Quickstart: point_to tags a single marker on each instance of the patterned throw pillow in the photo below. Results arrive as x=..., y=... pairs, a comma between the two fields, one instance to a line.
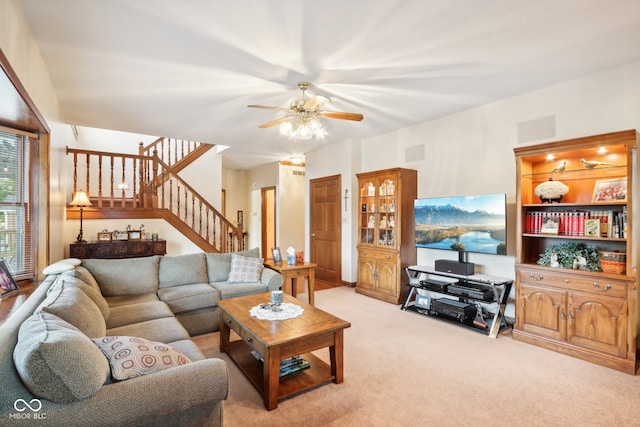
x=131, y=357
x=245, y=269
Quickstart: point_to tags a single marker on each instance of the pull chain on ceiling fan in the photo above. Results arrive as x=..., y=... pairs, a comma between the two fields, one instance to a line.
x=301, y=121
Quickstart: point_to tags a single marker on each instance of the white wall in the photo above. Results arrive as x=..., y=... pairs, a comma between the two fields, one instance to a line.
x=290, y=208
x=472, y=152
x=344, y=159
x=19, y=46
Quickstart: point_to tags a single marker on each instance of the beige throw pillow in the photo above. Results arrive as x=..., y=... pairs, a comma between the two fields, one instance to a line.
x=245, y=269
x=130, y=357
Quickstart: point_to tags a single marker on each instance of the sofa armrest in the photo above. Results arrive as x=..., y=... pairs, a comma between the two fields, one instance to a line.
x=272, y=279
x=149, y=398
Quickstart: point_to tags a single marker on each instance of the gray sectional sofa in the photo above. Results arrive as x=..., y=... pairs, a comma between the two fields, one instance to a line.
x=108, y=342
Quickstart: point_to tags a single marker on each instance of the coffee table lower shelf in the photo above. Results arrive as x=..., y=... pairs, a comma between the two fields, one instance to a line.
x=316, y=374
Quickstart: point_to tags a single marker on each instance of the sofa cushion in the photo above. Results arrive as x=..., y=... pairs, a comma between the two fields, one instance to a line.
x=189, y=349
x=189, y=297
x=58, y=362
x=219, y=264
x=91, y=292
x=61, y=266
x=75, y=307
x=83, y=274
x=131, y=299
x=128, y=276
x=165, y=329
x=135, y=313
x=182, y=270
x=232, y=290
x=245, y=269
x=131, y=357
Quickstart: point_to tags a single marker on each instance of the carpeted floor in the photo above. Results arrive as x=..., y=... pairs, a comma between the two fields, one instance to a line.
x=405, y=369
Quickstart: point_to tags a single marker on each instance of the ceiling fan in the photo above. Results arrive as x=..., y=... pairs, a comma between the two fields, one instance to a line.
x=301, y=121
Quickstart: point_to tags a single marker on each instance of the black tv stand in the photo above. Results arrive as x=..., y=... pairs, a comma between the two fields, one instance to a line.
x=492, y=306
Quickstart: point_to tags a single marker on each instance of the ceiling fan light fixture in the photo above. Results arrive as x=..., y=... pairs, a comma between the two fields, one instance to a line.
x=303, y=128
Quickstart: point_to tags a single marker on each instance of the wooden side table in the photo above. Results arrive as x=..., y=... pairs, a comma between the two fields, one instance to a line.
x=292, y=273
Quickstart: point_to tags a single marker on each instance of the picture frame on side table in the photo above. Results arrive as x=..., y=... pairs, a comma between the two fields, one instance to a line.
x=7, y=284
x=610, y=190
x=275, y=253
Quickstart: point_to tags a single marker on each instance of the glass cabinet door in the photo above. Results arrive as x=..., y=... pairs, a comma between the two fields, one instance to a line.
x=367, y=212
x=386, y=214
x=378, y=211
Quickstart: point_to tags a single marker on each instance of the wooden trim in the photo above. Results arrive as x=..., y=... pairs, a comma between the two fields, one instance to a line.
x=19, y=132
x=23, y=123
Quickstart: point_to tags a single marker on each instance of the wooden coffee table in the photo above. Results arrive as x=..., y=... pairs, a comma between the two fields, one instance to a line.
x=279, y=339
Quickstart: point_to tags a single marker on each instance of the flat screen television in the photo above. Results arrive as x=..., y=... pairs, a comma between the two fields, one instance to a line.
x=462, y=223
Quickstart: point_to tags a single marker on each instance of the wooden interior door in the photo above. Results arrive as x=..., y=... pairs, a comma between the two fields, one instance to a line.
x=268, y=210
x=325, y=227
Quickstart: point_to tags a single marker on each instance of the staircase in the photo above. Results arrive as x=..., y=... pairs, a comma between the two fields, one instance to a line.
x=156, y=191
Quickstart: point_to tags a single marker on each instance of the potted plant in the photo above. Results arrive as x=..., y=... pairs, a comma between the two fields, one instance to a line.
x=571, y=255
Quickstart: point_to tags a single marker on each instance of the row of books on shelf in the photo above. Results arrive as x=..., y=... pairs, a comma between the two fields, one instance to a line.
x=592, y=223
x=288, y=365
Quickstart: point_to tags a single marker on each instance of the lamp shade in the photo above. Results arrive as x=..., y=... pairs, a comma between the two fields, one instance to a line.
x=81, y=199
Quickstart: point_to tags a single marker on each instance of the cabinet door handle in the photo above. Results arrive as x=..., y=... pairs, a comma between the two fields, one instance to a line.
x=388, y=256
x=597, y=286
x=562, y=315
x=540, y=277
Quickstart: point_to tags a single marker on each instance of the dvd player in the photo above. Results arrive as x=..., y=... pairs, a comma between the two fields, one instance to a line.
x=434, y=285
x=475, y=292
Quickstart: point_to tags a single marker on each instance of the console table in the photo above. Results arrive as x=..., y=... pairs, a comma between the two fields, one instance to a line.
x=118, y=249
x=494, y=304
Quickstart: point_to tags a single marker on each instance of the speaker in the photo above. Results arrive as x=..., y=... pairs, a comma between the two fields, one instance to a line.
x=455, y=267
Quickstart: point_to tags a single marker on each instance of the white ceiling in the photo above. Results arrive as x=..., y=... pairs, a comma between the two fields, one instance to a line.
x=189, y=68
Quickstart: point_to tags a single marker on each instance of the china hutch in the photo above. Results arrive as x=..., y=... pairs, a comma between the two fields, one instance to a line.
x=576, y=279
x=386, y=243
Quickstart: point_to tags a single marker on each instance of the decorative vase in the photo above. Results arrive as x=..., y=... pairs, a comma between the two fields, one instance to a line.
x=551, y=191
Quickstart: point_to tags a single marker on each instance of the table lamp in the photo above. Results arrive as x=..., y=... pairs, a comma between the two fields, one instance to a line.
x=81, y=199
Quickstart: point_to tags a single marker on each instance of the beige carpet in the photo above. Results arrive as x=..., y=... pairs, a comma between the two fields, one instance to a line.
x=404, y=369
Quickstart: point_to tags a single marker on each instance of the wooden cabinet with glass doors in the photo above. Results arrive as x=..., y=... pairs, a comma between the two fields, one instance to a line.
x=386, y=232
x=586, y=310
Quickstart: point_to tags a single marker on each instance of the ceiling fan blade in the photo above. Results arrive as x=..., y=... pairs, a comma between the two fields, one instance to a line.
x=316, y=102
x=341, y=115
x=270, y=108
x=275, y=122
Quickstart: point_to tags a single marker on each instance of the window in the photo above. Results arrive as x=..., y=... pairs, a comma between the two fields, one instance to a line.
x=15, y=217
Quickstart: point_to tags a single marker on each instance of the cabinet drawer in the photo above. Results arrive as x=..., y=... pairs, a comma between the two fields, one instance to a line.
x=378, y=255
x=247, y=336
x=594, y=285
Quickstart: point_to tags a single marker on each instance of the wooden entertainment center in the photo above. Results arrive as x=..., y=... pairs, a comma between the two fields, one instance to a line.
x=579, y=310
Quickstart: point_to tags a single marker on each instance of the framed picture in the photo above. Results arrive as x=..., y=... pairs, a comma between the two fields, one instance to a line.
x=610, y=190
x=134, y=235
x=275, y=253
x=240, y=218
x=423, y=301
x=104, y=236
x=550, y=225
x=592, y=227
x=120, y=235
x=7, y=284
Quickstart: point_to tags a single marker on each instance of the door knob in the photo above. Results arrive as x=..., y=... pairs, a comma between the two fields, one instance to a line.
x=313, y=234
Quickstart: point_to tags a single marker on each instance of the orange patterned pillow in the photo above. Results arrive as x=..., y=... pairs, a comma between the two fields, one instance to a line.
x=131, y=357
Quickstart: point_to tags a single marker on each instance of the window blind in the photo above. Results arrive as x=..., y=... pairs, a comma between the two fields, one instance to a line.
x=16, y=245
